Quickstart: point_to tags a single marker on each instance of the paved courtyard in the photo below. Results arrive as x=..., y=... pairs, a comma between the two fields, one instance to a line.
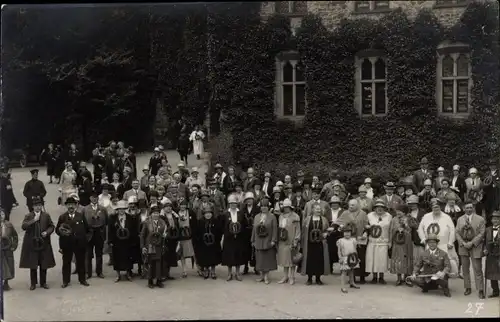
x=195, y=298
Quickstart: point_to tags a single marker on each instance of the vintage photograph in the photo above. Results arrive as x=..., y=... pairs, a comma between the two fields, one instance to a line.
x=250, y=160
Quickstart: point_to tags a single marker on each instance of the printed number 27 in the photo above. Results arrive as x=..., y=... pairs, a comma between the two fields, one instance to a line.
x=474, y=308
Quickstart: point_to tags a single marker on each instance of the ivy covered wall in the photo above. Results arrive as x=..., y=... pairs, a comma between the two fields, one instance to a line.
x=333, y=134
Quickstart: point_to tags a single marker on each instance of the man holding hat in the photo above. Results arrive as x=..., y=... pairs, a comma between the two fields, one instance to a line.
x=422, y=174
x=470, y=235
x=73, y=242
x=435, y=262
x=97, y=217
x=7, y=198
x=37, y=224
x=492, y=252
x=316, y=191
x=491, y=191
x=392, y=201
x=34, y=188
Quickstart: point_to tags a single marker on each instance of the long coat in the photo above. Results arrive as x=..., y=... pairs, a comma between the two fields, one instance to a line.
x=250, y=216
x=419, y=177
x=304, y=245
x=324, y=205
x=235, y=246
x=492, y=271
x=402, y=252
x=154, y=252
x=29, y=257
x=7, y=198
x=122, y=258
x=8, y=266
x=289, y=241
x=211, y=254
x=33, y=188
x=478, y=226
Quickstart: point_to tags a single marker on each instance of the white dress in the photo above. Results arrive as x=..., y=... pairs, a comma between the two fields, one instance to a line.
x=186, y=245
x=67, y=186
x=377, y=251
x=446, y=229
x=197, y=138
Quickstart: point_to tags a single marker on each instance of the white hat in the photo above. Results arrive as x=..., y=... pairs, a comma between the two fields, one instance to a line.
x=74, y=195
x=194, y=169
x=427, y=182
x=180, y=164
x=456, y=167
x=145, y=167
x=122, y=204
x=132, y=199
x=472, y=170
x=287, y=203
x=249, y=195
x=165, y=201
x=368, y=180
x=232, y=199
x=279, y=183
x=157, y=149
x=440, y=169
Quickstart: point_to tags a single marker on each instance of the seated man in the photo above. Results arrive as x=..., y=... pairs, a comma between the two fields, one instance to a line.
x=433, y=266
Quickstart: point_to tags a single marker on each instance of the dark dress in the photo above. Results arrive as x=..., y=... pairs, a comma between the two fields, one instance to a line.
x=170, y=257
x=135, y=245
x=208, y=255
x=234, y=248
x=183, y=146
x=51, y=159
x=122, y=259
x=315, y=259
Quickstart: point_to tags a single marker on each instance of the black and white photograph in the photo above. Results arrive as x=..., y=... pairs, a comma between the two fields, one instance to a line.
x=250, y=160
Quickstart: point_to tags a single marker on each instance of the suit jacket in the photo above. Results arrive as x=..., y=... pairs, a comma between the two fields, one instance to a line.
x=299, y=205
x=80, y=228
x=228, y=184
x=324, y=205
x=130, y=193
x=478, y=185
x=478, y=226
x=431, y=264
x=395, y=203
x=148, y=228
x=248, y=184
x=97, y=220
x=111, y=167
x=459, y=185
x=419, y=177
x=270, y=186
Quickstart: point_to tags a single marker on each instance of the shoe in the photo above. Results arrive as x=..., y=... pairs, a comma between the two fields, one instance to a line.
x=354, y=286
x=64, y=285
x=100, y=275
x=494, y=294
x=160, y=284
x=266, y=281
x=447, y=293
x=229, y=277
x=151, y=285
x=238, y=277
x=245, y=270
x=170, y=278
x=84, y=283
x=424, y=290
x=382, y=281
x=6, y=286
x=32, y=287
x=374, y=281
x=184, y=275
x=467, y=291
x=344, y=290
x=319, y=282
x=481, y=295
x=260, y=279
x=362, y=281
x=399, y=282
x=213, y=276
x=89, y=276
x=283, y=280
x=309, y=282
x=117, y=279
x=44, y=286
x=255, y=272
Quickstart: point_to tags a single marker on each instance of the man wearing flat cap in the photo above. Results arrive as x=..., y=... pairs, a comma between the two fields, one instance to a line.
x=422, y=174
x=434, y=266
x=491, y=191
x=34, y=188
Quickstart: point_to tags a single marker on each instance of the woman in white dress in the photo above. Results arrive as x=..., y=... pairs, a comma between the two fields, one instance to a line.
x=379, y=241
x=197, y=137
x=68, y=182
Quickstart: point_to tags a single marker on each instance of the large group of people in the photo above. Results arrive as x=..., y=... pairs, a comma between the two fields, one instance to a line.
x=424, y=231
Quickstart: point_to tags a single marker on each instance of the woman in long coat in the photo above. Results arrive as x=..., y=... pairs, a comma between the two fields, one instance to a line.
x=264, y=239
x=401, y=262
x=171, y=219
x=235, y=242
x=186, y=222
x=316, y=260
x=377, y=251
x=30, y=258
x=207, y=235
x=120, y=248
x=9, y=246
x=288, y=241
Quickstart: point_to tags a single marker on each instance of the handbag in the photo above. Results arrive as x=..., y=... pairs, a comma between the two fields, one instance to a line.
x=297, y=257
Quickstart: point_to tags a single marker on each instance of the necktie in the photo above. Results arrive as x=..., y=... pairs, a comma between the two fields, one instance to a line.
x=473, y=182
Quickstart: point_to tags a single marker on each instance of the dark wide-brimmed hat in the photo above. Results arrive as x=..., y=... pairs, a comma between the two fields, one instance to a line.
x=33, y=171
x=70, y=201
x=433, y=237
x=37, y=200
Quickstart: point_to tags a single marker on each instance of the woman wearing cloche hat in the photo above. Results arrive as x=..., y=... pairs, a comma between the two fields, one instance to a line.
x=288, y=240
x=249, y=210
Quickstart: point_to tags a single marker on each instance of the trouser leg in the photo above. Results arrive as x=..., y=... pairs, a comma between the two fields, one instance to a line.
x=466, y=271
x=33, y=276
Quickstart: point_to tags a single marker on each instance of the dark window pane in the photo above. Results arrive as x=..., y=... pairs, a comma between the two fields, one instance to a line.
x=380, y=98
x=366, y=98
x=362, y=6
x=381, y=4
x=447, y=69
x=299, y=6
x=447, y=102
x=282, y=6
x=300, y=99
x=288, y=72
x=366, y=69
x=380, y=69
x=462, y=65
x=288, y=99
x=463, y=96
x=299, y=72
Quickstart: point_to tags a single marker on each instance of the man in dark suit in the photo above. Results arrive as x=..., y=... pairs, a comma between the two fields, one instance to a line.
x=113, y=164
x=97, y=217
x=491, y=190
x=422, y=174
x=217, y=198
x=73, y=241
x=7, y=198
x=99, y=163
x=34, y=188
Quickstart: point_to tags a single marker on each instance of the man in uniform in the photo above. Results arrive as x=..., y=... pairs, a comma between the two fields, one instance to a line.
x=37, y=226
x=7, y=198
x=97, y=218
x=34, y=188
x=73, y=244
x=470, y=236
x=433, y=261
